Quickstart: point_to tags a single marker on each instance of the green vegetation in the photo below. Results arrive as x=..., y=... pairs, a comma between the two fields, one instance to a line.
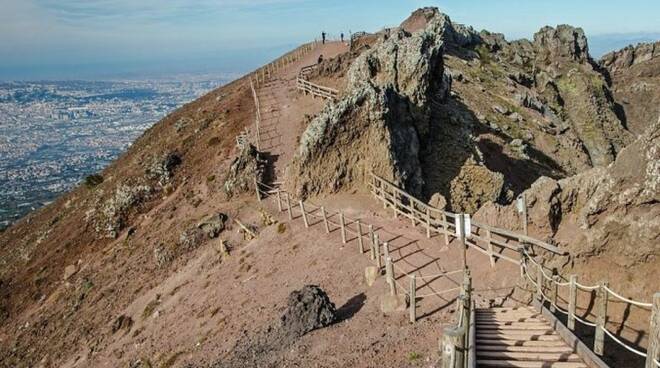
x=281, y=228
x=210, y=178
x=93, y=180
x=414, y=356
x=484, y=54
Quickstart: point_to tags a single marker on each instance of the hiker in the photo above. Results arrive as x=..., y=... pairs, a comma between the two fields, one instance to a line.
x=323, y=37
x=342, y=37
x=320, y=59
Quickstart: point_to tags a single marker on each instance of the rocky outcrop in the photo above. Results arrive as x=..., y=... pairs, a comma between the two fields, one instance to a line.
x=110, y=217
x=378, y=123
x=609, y=211
x=635, y=82
x=563, y=42
x=387, y=116
x=243, y=171
x=620, y=61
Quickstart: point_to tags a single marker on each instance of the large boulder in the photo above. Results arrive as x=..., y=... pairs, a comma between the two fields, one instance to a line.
x=307, y=309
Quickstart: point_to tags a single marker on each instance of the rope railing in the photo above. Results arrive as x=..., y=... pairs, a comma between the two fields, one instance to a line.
x=603, y=293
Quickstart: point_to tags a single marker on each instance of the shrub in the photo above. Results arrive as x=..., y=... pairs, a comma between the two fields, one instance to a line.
x=93, y=180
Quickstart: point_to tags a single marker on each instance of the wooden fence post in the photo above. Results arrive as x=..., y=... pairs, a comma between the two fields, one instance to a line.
x=539, y=284
x=379, y=263
x=279, y=200
x=428, y=223
x=343, y=227
x=412, y=213
x=490, y=248
x=386, y=250
x=445, y=226
x=395, y=202
x=304, y=215
x=448, y=348
x=325, y=220
x=288, y=206
x=373, y=241
x=359, y=231
x=555, y=292
x=653, y=350
x=256, y=188
x=413, y=305
x=601, y=319
x=572, y=300
x=389, y=272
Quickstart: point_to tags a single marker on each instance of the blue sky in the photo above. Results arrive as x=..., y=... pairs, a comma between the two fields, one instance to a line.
x=101, y=38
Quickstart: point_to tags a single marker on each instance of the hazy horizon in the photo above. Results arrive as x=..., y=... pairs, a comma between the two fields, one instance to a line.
x=111, y=39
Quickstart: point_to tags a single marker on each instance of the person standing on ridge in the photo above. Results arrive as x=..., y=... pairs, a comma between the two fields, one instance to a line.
x=323, y=37
x=342, y=37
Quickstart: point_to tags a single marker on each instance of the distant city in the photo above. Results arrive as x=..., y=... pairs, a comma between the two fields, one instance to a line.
x=53, y=134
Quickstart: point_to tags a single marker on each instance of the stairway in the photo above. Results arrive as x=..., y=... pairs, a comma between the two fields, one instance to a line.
x=520, y=337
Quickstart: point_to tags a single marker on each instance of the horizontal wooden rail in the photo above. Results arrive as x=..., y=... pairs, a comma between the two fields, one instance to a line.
x=314, y=89
x=408, y=205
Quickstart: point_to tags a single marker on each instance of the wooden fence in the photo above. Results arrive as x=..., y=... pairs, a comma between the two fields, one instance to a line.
x=257, y=116
x=545, y=284
x=257, y=79
x=492, y=241
x=304, y=85
x=458, y=344
x=366, y=239
x=266, y=72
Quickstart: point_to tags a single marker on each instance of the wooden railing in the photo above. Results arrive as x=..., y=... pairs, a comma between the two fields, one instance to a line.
x=487, y=238
x=549, y=284
x=257, y=116
x=494, y=242
x=368, y=242
x=312, y=88
x=458, y=344
x=266, y=72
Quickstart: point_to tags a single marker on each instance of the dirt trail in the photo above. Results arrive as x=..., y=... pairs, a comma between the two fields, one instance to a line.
x=284, y=108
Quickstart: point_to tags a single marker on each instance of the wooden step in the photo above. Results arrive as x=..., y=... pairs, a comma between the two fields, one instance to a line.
x=523, y=364
x=512, y=326
x=518, y=337
x=529, y=356
x=508, y=320
x=499, y=342
x=541, y=348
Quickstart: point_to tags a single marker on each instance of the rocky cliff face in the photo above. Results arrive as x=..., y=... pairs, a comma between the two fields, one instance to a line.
x=377, y=124
x=446, y=110
x=388, y=121
x=608, y=213
x=635, y=78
